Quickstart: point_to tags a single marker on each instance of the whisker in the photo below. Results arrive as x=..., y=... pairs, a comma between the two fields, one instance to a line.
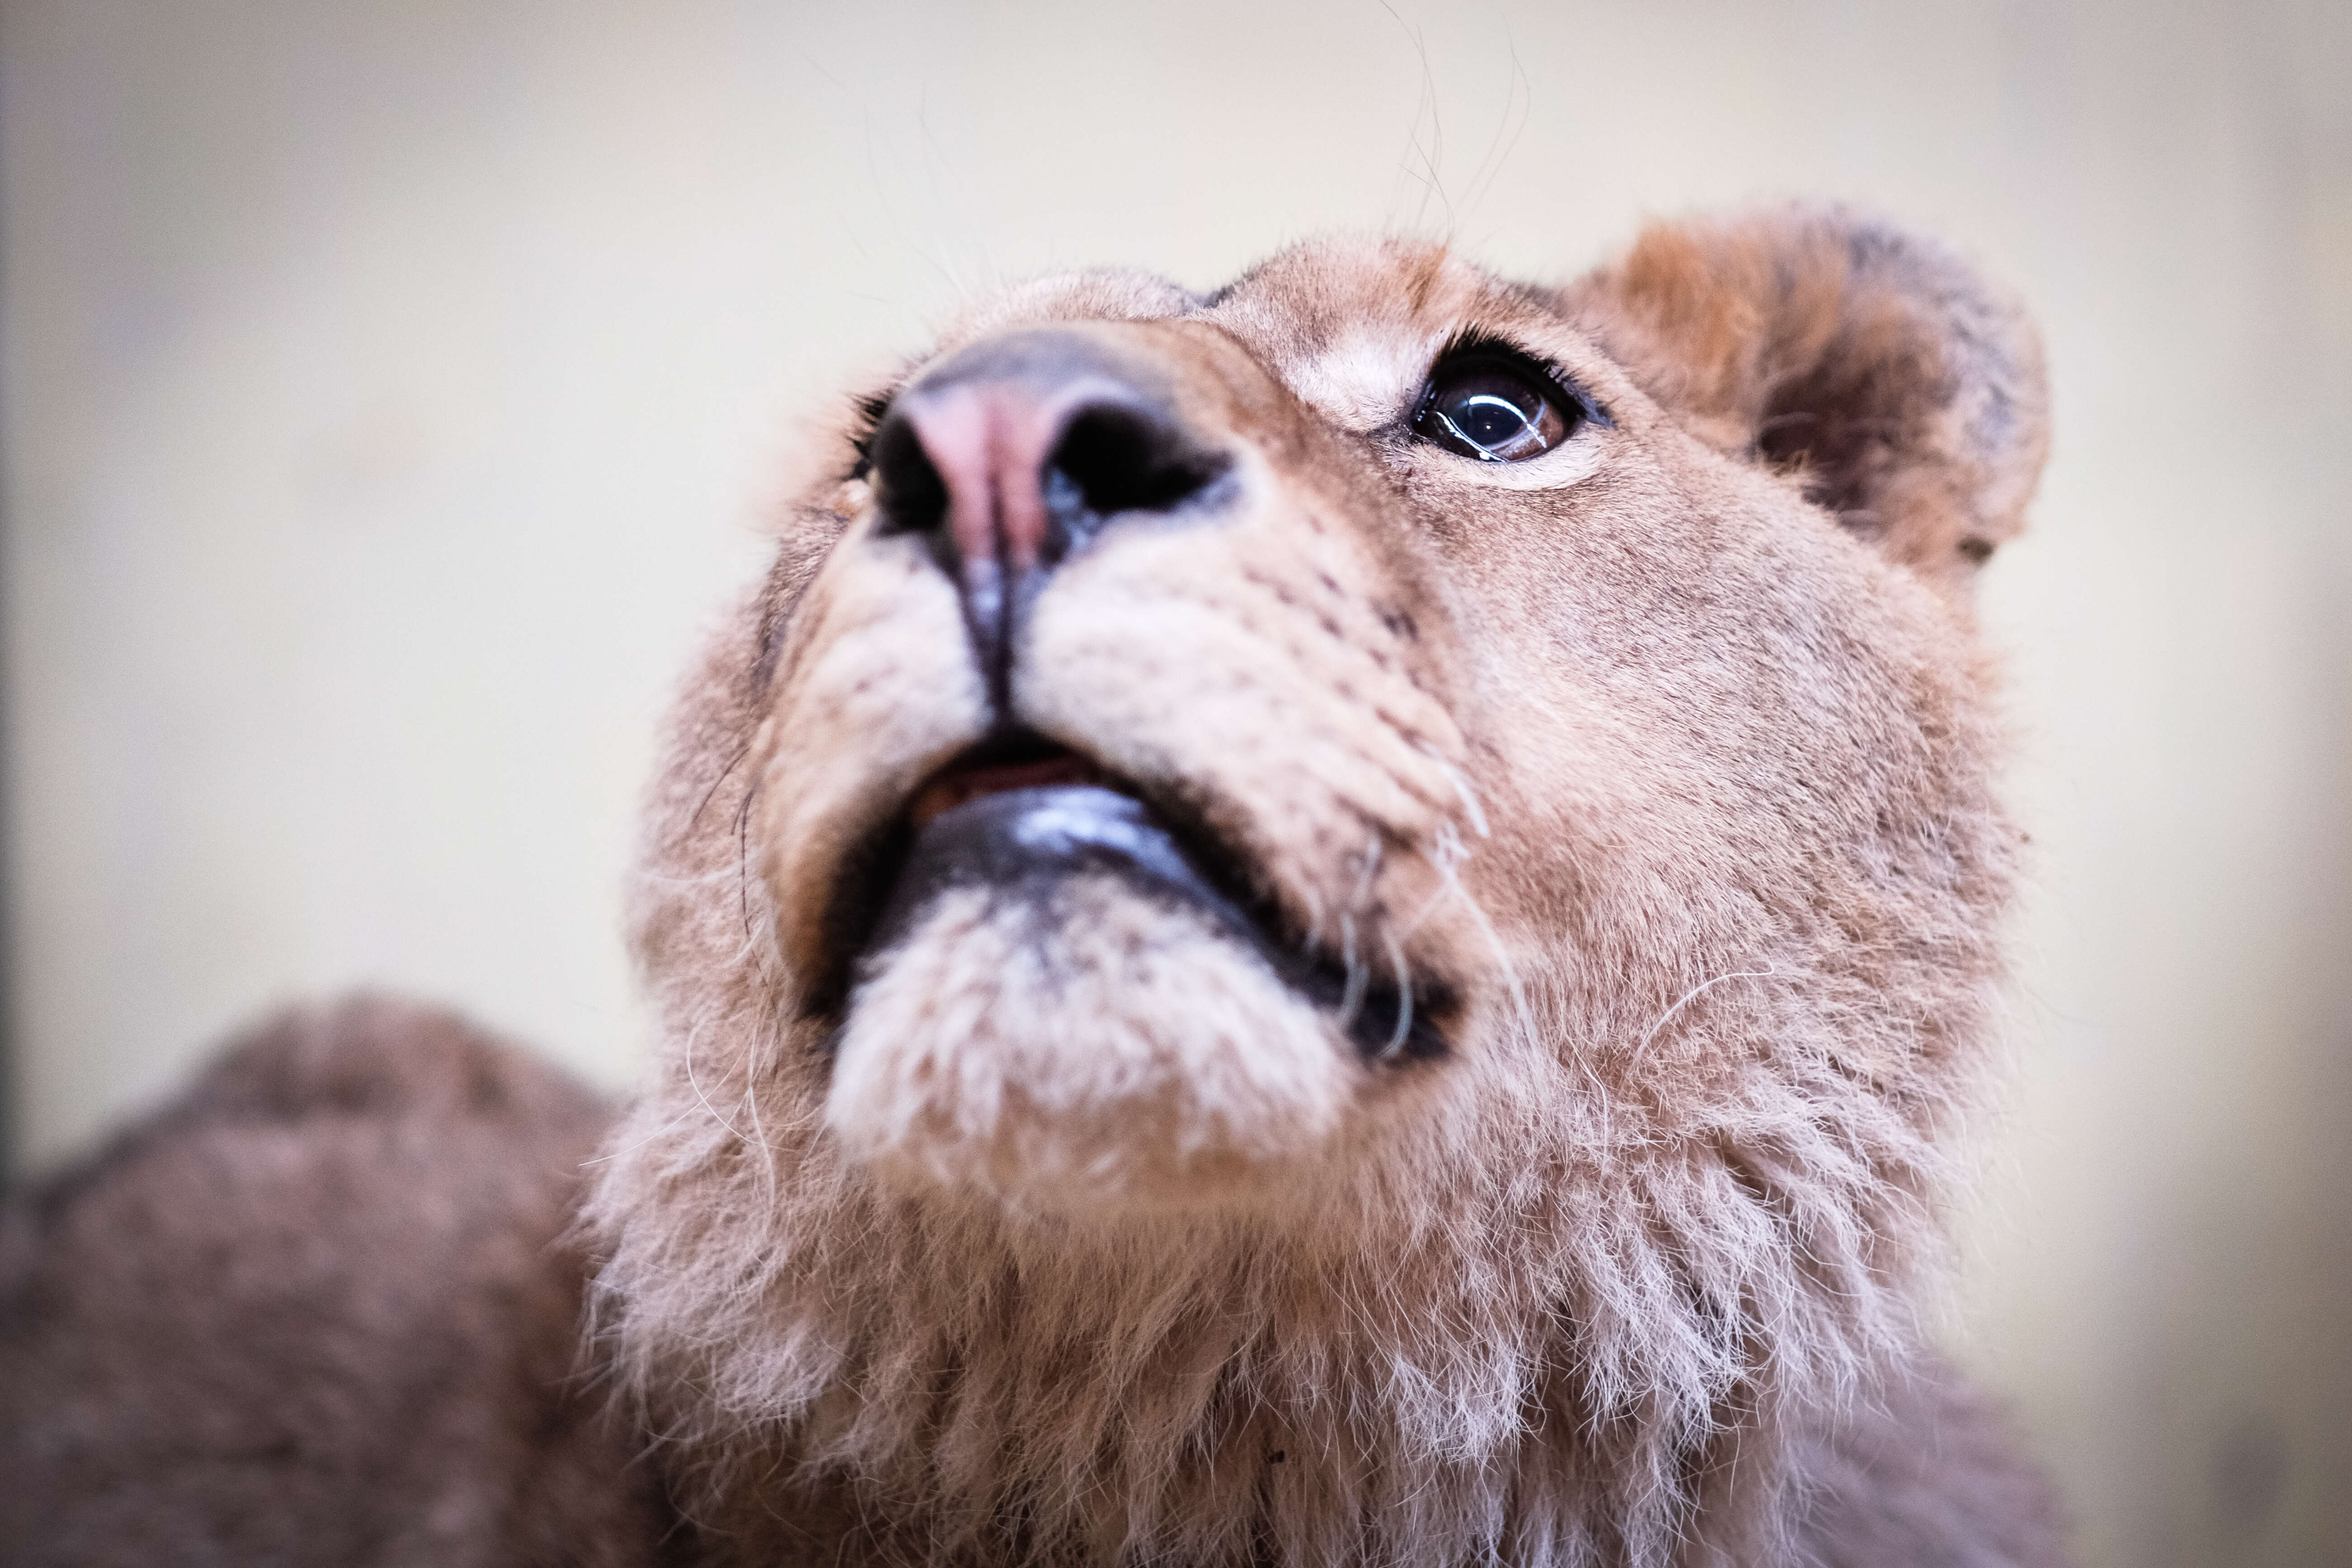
x=708, y=795
x=1461, y=784
x=1359, y=976
x=1688, y=996
x=743, y=854
x=1404, y=1000
x=692, y=1037
x=600, y=1159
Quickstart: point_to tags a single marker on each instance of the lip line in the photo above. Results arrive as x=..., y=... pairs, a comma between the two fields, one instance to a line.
x=964, y=780
x=1385, y=1021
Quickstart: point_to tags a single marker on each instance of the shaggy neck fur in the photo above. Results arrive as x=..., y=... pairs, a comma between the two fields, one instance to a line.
x=1580, y=1330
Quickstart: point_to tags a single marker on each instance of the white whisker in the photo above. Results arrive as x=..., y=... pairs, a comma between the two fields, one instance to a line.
x=693, y=1035
x=1353, y=997
x=633, y=1148
x=1404, y=1000
x=1461, y=784
x=1690, y=995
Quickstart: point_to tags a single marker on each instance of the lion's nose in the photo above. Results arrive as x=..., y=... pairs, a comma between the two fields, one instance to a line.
x=1015, y=452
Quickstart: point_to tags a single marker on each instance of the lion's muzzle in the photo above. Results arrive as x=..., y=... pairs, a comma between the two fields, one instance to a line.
x=1107, y=806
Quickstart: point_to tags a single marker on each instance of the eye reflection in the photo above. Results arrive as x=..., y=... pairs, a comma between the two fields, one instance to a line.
x=1494, y=408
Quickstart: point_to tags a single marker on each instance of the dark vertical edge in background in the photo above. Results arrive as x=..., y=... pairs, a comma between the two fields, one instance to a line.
x=7, y=726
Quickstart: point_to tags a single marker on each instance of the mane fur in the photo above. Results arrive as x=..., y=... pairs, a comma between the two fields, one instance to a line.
x=1564, y=1327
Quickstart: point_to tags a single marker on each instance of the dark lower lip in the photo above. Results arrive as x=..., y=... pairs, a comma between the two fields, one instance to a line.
x=1025, y=841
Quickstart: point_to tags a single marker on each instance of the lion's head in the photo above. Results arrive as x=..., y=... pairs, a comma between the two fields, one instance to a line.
x=1338, y=920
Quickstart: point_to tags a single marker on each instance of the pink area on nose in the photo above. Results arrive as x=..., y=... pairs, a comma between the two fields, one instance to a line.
x=988, y=442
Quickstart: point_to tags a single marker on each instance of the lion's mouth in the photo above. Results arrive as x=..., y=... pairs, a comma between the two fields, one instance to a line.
x=1022, y=815
x=1016, y=763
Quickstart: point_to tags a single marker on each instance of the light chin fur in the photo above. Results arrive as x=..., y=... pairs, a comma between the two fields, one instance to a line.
x=1082, y=1051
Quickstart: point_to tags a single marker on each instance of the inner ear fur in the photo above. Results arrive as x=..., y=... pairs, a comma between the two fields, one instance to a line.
x=1904, y=391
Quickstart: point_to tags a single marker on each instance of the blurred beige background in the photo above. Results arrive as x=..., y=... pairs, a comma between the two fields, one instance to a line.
x=390, y=387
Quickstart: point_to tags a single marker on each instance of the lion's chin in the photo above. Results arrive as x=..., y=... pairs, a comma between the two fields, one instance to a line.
x=1082, y=1050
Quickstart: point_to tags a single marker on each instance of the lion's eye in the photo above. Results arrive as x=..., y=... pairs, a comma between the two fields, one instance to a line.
x=1495, y=407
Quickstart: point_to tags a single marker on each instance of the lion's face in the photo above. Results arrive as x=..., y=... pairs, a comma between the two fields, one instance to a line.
x=1228, y=741
x=1417, y=847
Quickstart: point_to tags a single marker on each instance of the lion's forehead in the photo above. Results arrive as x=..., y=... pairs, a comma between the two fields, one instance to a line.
x=1349, y=325
x=1094, y=294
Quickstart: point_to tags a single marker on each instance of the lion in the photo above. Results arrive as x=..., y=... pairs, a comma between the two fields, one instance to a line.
x=1351, y=921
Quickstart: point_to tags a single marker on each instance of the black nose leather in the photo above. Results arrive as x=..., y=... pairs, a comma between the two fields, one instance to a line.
x=1015, y=452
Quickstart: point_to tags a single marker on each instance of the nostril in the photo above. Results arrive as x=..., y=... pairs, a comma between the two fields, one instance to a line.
x=909, y=493
x=1114, y=457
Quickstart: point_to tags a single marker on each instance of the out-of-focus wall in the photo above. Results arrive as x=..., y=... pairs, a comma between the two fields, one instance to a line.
x=391, y=385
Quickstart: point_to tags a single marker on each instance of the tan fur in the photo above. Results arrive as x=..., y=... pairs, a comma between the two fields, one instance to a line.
x=1075, y=1234
x=1682, y=780
x=318, y=1313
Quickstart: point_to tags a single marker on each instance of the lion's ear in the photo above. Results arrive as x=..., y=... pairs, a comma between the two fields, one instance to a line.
x=1906, y=391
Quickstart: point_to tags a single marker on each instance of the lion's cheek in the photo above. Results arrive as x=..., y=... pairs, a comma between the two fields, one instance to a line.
x=881, y=689
x=1087, y=1052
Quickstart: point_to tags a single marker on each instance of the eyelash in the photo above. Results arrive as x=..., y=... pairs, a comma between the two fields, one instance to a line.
x=1475, y=341
x=871, y=410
